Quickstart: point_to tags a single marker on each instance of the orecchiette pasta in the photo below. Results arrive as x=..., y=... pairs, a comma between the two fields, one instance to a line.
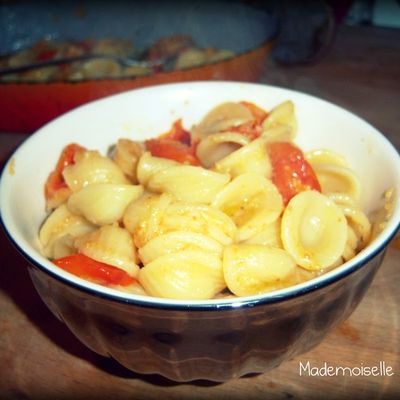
x=252, y=201
x=249, y=158
x=359, y=222
x=231, y=207
x=175, y=241
x=278, y=133
x=111, y=245
x=222, y=117
x=252, y=269
x=189, y=183
x=200, y=218
x=351, y=244
x=149, y=165
x=282, y=114
x=188, y=274
x=338, y=179
x=63, y=247
x=314, y=230
x=91, y=167
x=324, y=156
x=381, y=215
x=126, y=155
x=151, y=223
x=138, y=210
x=59, y=225
x=216, y=146
x=103, y=203
x=269, y=235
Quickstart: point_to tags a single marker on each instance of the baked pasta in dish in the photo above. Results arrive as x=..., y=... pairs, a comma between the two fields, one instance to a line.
x=169, y=53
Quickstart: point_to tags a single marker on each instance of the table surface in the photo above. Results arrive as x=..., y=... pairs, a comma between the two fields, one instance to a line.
x=40, y=358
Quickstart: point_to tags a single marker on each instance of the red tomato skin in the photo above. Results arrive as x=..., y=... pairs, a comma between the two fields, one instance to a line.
x=176, y=144
x=291, y=172
x=258, y=113
x=55, y=180
x=178, y=133
x=94, y=271
x=250, y=129
x=172, y=150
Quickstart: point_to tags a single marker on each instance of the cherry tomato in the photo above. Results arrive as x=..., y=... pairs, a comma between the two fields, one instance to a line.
x=173, y=150
x=258, y=113
x=251, y=129
x=177, y=132
x=94, y=271
x=55, y=180
x=176, y=144
x=291, y=172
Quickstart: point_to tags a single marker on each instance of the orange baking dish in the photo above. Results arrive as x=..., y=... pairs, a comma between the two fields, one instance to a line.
x=240, y=26
x=24, y=107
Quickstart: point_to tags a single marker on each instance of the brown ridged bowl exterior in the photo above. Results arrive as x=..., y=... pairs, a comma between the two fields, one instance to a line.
x=217, y=344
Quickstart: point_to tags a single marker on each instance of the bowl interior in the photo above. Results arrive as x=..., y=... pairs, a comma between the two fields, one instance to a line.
x=145, y=113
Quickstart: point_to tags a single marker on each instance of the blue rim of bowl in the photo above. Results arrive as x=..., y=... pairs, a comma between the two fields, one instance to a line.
x=226, y=306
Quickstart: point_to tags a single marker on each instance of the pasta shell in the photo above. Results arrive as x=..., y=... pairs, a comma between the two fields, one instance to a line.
x=313, y=230
x=111, y=245
x=189, y=183
x=185, y=275
x=252, y=201
x=91, y=167
x=154, y=221
x=138, y=210
x=383, y=213
x=59, y=197
x=126, y=155
x=219, y=55
x=282, y=114
x=151, y=223
x=103, y=203
x=200, y=218
x=190, y=58
x=252, y=157
x=64, y=246
x=251, y=269
x=149, y=165
x=302, y=275
x=325, y=156
x=351, y=244
x=342, y=199
x=335, y=178
x=278, y=133
x=222, y=117
x=359, y=222
x=269, y=235
x=176, y=241
x=218, y=145
x=59, y=224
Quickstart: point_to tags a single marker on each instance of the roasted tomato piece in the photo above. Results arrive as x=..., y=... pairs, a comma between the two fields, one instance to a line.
x=173, y=150
x=55, y=181
x=291, y=172
x=94, y=271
